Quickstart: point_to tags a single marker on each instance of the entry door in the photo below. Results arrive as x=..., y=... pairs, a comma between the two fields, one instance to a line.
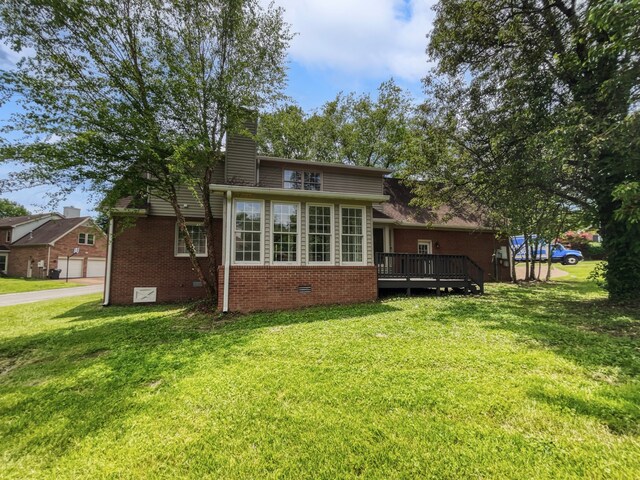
x=424, y=248
x=4, y=260
x=29, y=267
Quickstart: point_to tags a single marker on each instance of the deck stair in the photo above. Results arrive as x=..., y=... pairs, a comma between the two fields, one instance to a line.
x=421, y=271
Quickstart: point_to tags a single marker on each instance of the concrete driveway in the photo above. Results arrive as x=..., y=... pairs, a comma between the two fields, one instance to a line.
x=8, y=299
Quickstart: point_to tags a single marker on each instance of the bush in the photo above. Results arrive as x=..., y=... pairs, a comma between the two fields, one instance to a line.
x=593, y=251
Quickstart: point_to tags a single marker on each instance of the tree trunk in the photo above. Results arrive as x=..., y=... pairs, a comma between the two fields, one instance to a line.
x=209, y=228
x=182, y=225
x=548, y=277
x=525, y=240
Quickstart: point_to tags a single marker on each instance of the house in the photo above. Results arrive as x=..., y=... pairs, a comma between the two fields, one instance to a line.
x=293, y=233
x=31, y=246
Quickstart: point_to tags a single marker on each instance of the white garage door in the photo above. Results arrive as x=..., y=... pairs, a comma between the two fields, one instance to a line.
x=96, y=267
x=75, y=267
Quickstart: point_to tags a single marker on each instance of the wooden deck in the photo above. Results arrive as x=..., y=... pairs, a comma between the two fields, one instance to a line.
x=411, y=271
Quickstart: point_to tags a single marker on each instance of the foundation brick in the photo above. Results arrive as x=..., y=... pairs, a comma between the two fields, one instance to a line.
x=264, y=288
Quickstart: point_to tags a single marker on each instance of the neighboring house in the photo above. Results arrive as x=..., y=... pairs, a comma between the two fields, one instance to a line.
x=294, y=233
x=32, y=246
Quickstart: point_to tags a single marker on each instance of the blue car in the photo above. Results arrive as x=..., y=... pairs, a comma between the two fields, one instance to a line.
x=559, y=253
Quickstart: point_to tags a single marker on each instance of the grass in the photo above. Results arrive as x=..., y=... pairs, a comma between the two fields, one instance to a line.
x=525, y=382
x=19, y=285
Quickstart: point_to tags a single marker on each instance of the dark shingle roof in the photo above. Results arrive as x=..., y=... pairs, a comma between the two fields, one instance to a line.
x=49, y=232
x=399, y=210
x=13, y=221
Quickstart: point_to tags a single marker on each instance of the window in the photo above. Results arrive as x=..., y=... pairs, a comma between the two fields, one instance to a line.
x=3, y=262
x=285, y=232
x=424, y=247
x=86, y=238
x=8, y=236
x=198, y=238
x=352, y=220
x=319, y=230
x=248, y=232
x=298, y=180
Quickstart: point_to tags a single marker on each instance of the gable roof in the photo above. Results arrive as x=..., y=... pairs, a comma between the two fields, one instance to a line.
x=50, y=231
x=15, y=221
x=398, y=210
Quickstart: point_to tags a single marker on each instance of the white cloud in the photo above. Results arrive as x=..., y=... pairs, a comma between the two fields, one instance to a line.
x=370, y=37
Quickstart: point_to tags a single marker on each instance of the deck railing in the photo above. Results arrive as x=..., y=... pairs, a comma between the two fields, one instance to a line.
x=421, y=266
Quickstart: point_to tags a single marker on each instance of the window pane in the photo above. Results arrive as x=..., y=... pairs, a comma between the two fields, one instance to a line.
x=352, y=234
x=285, y=232
x=311, y=181
x=319, y=233
x=298, y=180
x=292, y=179
x=198, y=237
x=248, y=234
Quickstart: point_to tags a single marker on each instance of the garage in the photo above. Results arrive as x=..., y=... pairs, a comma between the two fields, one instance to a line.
x=75, y=267
x=96, y=267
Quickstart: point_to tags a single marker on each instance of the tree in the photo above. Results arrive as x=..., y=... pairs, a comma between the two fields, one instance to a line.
x=138, y=95
x=351, y=129
x=286, y=133
x=551, y=87
x=11, y=209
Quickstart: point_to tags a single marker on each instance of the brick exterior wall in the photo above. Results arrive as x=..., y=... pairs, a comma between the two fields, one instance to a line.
x=478, y=246
x=255, y=288
x=19, y=256
x=143, y=256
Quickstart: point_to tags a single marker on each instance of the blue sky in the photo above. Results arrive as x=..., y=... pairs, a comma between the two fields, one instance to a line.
x=340, y=45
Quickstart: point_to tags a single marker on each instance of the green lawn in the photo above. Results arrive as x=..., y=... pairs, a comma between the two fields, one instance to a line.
x=524, y=382
x=18, y=285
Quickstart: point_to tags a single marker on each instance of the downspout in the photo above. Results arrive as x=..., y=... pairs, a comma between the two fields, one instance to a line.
x=227, y=254
x=107, y=280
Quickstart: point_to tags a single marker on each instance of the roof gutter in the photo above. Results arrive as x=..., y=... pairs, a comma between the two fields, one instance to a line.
x=430, y=226
x=283, y=192
x=107, y=280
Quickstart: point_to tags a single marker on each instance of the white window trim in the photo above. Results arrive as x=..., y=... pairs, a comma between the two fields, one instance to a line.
x=425, y=242
x=332, y=253
x=299, y=233
x=6, y=261
x=302, y=171
x=233, y=232
x=86, y=238
x=364, y=235
x=175, y=243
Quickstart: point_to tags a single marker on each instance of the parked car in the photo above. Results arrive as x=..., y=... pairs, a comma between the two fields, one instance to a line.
x=559, y=253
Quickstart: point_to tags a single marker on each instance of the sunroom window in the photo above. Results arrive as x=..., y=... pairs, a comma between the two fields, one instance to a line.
x=319, y=226
x=352, y=220
x=285, y=232
x=248, y=231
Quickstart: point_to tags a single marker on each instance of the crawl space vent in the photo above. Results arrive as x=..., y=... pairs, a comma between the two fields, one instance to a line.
x=304, y=289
